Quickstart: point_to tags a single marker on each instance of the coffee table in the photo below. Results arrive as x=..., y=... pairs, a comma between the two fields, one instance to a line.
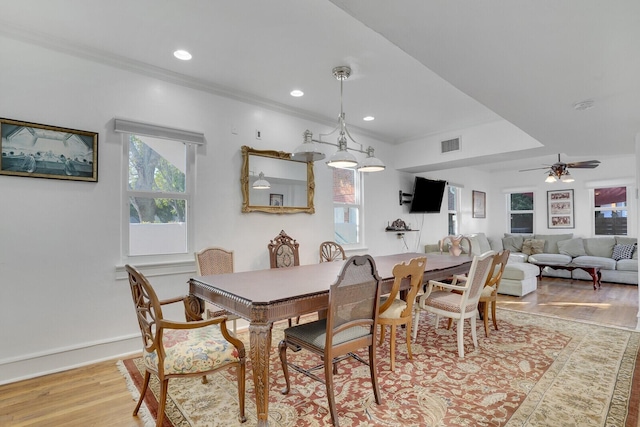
x=594, y=271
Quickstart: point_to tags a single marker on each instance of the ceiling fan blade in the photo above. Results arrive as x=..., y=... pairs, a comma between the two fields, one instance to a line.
x=588, y=164
x=534, y=169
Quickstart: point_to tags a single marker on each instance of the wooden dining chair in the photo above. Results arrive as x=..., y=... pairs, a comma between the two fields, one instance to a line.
x=441, y=301
x=350, y=325
x=181, y=349
x=331, y=251
x=395, y=311
x=283, y=252
x=214, y=260
x=489, y=295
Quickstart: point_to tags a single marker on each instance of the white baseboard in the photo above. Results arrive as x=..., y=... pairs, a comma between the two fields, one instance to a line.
x=35, y=365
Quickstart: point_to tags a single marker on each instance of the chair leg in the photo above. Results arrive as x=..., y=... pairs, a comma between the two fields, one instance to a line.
x=373, y=370
x=450, y=323
x=285, y=369
x=408, y=327
x=241, y=371
x=493, y=314
x=162, y=401
x=328, y=375
x=485, y=317
x=392, y=347
x=145, y=385
x=461, y=338
x=472, y=319
x=382, y=332
x=416, y=321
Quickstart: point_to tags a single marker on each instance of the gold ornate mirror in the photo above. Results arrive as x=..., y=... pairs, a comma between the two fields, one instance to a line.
x=290, y=183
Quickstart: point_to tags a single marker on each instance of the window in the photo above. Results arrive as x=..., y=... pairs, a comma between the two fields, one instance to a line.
x=453, y=197
x=521, y=212
x=346, y=206
x=158, y=188
x=610, y=211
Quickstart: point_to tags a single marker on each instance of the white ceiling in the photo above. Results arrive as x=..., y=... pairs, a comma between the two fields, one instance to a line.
x=420, y=67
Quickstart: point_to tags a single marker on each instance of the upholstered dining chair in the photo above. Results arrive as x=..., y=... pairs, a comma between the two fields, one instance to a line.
x=350, y=325
x=441, y=301
x=489, y=295
x=213, y=260
x=331, y=251
x=181, y=349
x=283, y=252
x=396, y=311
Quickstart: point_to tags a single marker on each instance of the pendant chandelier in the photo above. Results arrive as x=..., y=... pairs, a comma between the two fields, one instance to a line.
x=309, y=150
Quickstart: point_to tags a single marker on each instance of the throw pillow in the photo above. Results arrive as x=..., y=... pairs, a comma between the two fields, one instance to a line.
x=623, y=252
x=533, y=246
x=572, y=247
x=512, y=243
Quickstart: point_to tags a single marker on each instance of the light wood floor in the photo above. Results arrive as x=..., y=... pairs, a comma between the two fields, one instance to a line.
x=96, y=395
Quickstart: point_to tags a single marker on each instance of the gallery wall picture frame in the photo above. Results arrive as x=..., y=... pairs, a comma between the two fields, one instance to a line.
x=44, y=151
x=276, y=200
x=479, y=200
x=560, y=209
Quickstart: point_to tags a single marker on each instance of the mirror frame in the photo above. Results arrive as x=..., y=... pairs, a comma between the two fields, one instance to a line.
x=244, y=183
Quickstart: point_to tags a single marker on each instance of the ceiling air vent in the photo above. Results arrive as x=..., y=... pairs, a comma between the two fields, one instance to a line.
x=450, y=145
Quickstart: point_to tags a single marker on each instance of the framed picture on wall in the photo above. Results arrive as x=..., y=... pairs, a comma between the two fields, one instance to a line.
x=560, y=209
x=276, y=199
x=43, y=151
x=479, y=200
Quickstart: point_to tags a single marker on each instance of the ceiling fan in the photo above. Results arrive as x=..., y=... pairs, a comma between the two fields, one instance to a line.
x=560, y=170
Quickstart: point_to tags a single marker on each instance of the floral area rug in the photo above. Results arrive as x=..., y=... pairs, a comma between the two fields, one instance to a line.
x=535, y=371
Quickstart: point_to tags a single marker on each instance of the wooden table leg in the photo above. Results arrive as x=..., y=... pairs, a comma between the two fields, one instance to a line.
x=260, y=350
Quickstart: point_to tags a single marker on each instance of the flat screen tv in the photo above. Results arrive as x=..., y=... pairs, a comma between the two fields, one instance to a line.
x=427, y=195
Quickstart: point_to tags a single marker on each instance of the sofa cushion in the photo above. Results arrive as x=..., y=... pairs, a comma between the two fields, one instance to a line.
x=621, y=251
x=479, y=243
x=520, y=271
x=599, y=246
x=627, y=265
x=571, y=247
x=533, y=246
x=550, y=259
x=596, y=261
x=513, y=243
x=551, y=241
x=623, y=240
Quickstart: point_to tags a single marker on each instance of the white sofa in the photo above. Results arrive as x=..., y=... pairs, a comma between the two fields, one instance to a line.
x=520, y=275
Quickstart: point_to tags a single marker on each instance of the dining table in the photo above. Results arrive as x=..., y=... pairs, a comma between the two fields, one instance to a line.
x=266, y=296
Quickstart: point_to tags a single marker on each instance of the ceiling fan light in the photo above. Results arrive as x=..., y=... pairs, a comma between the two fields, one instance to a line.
x=550, y=178
x=567, y=177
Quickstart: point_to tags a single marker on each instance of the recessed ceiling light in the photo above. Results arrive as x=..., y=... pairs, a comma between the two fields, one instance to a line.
x=182, y=54
x=297, y=93
x=368, y=118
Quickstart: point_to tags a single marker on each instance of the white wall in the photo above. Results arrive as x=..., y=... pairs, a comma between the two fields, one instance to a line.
x=61, y=303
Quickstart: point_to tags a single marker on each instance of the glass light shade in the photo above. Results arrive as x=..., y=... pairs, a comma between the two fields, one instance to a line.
x=550, y=178
x=261, y=183
x=567, y=177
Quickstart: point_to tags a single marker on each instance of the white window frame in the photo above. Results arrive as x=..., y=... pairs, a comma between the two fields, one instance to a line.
x=456, y=211
x=595, y=209
x=518, y=212
x=191, y=140
x=359, y=204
